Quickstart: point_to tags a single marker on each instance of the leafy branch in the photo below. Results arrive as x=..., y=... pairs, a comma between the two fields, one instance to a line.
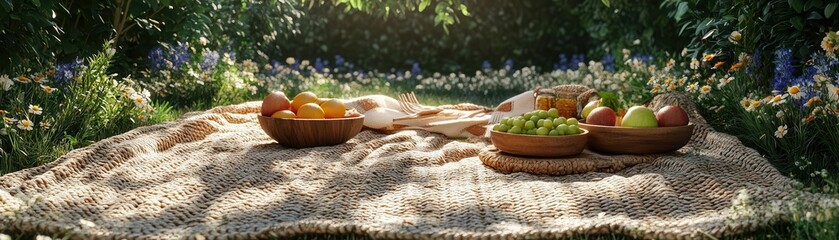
x=447, y=11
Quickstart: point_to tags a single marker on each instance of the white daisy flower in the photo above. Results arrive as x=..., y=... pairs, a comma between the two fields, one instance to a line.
x=35, y=109
x=47, y=89
x=778, y=99
x=781, y=132
x=705, y=89
x=795, y=92
x=724, y=81
x=691, y=87
x=745, y=102
x=25, y=124
x=753, y=105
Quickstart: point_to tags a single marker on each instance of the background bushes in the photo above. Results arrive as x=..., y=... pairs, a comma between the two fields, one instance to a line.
x=39, y=32
x=36, y=33
x=528, y=32
x=765, y=25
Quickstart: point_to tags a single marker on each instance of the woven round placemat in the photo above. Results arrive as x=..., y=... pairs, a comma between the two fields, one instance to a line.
x=587, y=161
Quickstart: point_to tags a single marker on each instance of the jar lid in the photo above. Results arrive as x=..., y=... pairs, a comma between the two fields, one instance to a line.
x=545, y=91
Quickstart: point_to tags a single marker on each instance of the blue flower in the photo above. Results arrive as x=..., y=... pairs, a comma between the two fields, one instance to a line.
x=824, y=64
x=415, y=69
x=486, y=65
x=319, y=65
x=806, y=81
x=339, y=61
x=179, y=56
x=756, y=60
x=156, y=59
x=232, y=55
x=608, y=62
x=576, y=59
x=508, y=64
x=784, y=70
x=645, y=58
x=563, y=63
x=210, y=60
x=66, y=72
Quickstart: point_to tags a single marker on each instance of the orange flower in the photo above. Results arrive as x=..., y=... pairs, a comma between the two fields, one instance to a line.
x=708, y=57
x=736, y=67
x=813, y=101
x=718, y=65
x=810, y=118
x=23, y=79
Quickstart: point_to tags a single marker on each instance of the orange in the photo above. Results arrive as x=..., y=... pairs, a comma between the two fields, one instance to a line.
x=310, y=110
x=291, y=107
x=283, y=114
x=334, y=108
x=303, y=98
x=322, y=100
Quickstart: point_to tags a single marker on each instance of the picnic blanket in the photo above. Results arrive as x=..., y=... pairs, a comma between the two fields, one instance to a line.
x=215, y=174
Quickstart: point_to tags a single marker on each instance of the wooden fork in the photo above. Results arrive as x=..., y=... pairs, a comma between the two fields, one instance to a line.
x=409, y=104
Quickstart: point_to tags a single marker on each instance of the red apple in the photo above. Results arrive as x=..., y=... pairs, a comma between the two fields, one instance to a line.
x=671, y=116
x=602, y=116
x=274, y=102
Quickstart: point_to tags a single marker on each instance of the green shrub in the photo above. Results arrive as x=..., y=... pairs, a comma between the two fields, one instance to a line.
x=24, y=28
x=48, y=113
x=38, y=31
x=764, y=26
x=529, y=32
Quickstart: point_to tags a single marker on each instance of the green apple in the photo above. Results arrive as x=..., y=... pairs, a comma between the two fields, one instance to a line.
x=590, y=106
x=639, y=117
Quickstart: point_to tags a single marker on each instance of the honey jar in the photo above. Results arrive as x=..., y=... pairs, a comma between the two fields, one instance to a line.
x=566, y=104
x=545, y=99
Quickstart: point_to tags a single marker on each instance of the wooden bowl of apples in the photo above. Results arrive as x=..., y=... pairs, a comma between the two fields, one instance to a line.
x=640, y=131
x=318, y=122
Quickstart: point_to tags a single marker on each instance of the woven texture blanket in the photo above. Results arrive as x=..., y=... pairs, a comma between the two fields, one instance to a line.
x=217, y=175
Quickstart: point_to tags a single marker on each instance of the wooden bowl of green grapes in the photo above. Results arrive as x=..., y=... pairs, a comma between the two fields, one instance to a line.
x=540, y=133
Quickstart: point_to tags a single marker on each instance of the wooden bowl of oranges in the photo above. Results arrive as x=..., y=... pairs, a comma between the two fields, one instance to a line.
x=308, y=121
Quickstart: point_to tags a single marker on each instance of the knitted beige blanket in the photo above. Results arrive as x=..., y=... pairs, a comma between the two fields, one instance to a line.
x=216, y=174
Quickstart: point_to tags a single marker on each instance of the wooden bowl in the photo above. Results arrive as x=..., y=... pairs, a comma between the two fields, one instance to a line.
x=626, y=140
x=303, y=133
x=539, y=146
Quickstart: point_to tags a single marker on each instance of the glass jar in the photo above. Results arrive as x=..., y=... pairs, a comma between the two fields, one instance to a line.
x=545, y=99
x=566, y=104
